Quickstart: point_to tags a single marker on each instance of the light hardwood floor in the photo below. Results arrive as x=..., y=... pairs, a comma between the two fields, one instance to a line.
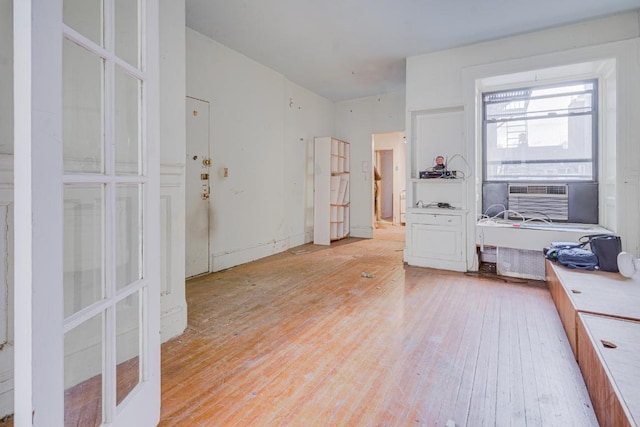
x=303, y=339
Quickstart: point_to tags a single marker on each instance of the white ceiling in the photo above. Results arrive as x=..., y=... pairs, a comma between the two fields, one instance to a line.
x=345, y=49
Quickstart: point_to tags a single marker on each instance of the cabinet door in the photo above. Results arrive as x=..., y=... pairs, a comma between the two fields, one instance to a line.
x=436, y=242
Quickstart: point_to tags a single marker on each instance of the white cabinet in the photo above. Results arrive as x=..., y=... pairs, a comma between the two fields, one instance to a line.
x=436, y=239
x=331, y=190
x=436, y=236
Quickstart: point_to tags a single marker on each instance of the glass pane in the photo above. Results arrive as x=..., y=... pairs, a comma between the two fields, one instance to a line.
x=540, y=107
x=128, y=234
x=556, y=90
x=567, y=104
x=82, y=115
x=557, y=148
x=127, y=31
x=83, y=362
x=543, y=139
x=127, y=124
x=83, y=246
x=84, y=16
x=563, y=171
x=128, y=345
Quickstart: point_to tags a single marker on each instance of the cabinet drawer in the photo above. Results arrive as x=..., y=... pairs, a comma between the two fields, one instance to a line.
x=437, y=219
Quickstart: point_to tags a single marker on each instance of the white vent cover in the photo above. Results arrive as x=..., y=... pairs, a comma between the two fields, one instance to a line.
x=520, y=263
x=548, y=201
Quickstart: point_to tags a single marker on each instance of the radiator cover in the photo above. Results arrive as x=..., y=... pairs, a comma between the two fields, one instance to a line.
x=520, y=263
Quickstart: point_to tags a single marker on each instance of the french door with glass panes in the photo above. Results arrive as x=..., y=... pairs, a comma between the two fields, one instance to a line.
x=109, y=336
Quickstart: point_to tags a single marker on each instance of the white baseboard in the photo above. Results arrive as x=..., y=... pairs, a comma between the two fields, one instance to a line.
x=361, y=232
x=173, y=322
x=437, y=264
x=223, y=260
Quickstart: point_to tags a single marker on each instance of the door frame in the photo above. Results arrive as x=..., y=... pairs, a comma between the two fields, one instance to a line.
x=396, y=141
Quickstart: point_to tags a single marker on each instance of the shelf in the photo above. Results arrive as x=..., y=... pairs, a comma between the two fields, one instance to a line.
x=437, y=211
x=434, y=180
x=331, y=190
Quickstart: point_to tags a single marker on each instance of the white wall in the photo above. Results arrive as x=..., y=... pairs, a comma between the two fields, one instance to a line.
x=356, y=122
x=395, y=141
x=447, y=79
x=435, y=80
x=262, y=129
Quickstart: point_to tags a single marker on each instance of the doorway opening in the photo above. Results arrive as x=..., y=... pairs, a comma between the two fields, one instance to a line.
x=390, y=163
x=388, y=201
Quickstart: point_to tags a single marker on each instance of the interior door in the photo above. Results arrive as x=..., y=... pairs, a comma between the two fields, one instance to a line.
x=197, y=188
x=89, y=306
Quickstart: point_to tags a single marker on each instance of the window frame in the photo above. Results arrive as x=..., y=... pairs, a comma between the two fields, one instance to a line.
x=595, y=117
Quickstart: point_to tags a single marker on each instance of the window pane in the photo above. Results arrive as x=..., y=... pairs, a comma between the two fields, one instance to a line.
x=127, y=124
x=83, y=246
x=569, y=104
x=570, y=88
x=84, y=16
x=540, y=133
x=539, y=107
x=82, y=114
x=128, y=234
x=127, y=31
x=536, y=149
x=128, y=345
x=540, y=171
x=83, y=364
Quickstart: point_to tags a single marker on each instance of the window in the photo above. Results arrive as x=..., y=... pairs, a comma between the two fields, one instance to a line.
x=546, y=133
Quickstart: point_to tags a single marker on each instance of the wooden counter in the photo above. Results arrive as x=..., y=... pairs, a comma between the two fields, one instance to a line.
x=608, y=294
x=597, y=308
x=612, y=375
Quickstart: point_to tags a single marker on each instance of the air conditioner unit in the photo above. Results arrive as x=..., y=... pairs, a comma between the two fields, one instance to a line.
x=579, y=199
x=548, y=201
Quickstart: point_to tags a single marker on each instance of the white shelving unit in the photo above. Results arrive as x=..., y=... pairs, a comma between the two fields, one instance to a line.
x=436, y=237
x=331, y=190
